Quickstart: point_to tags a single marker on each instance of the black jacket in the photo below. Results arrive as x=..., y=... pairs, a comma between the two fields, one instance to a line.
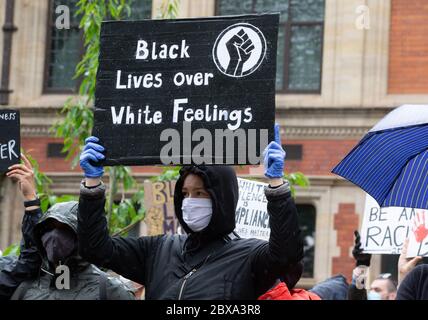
x=415, y=285
x=203, y=265
x=17, y=270
x=87, y=282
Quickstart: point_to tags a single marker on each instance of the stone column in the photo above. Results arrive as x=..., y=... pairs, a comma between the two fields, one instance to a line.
x=11, y=210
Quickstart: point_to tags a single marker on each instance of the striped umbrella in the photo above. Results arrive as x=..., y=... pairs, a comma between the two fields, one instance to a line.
x=391, y=161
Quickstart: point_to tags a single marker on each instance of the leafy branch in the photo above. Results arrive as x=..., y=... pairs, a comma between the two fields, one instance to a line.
x=169, y=9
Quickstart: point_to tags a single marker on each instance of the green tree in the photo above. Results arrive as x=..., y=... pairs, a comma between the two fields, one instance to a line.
x=77, y=122
x=77, y=119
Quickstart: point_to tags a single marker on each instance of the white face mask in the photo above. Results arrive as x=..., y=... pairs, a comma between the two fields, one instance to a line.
x=373, y=295
x=197, y=213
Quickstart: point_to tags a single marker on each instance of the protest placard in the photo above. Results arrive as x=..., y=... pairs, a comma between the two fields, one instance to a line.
x=159, y=203
x=418, y=241
x=10, y=141
x=384, y=230
x=186, y=91
x=252, y=219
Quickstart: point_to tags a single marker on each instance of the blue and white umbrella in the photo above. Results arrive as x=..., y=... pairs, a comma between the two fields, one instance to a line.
x=391, y=162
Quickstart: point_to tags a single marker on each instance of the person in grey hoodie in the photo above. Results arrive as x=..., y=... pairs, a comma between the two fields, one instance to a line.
x=64, y=275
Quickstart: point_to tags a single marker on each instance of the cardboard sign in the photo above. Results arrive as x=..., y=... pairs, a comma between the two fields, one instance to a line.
x=384, y=230
x=187, y=91
x=10, y=141
x=159, y=201
x=418, y=241
x=252, y=219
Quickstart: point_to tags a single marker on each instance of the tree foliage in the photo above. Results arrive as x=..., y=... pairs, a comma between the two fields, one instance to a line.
x=77, y=121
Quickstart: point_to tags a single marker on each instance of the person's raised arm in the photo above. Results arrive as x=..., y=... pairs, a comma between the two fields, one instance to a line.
x=29, y=261
x=357, y=288
x=285, y=245
x=405, y=265
x=126, y=256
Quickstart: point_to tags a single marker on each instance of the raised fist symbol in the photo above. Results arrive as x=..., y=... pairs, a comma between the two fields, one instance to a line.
x=240, y=48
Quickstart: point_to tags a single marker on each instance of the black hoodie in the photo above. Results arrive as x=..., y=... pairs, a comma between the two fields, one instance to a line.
x=13, y=270
x=203, y=265
x=414, y=285
x=222, y=186
x=84, y=278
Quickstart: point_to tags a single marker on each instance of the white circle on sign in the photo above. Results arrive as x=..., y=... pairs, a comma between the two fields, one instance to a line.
x=239, y=50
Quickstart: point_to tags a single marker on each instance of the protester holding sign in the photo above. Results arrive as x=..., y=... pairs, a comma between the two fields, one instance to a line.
x=49, y=241
x=207, y=262
x=64, y=275
x=17, y=270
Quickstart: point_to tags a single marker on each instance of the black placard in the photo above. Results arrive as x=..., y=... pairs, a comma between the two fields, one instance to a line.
x=10, y=139
x=212, y=73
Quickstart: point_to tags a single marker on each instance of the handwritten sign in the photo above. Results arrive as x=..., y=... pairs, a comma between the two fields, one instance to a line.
x=418, y=242
x=252, y=219
x=10, y=144
x=159, y=202
x=384, y=230
x=187, y=91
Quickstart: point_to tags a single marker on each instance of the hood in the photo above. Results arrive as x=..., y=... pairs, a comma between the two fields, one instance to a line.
x=66, y=213
x=222, y=185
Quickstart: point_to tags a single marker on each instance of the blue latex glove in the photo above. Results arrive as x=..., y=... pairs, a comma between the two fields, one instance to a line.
x=274, y=157
x=92, y=151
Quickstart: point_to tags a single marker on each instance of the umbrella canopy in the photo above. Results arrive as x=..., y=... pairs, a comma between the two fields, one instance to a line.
x=391, y=162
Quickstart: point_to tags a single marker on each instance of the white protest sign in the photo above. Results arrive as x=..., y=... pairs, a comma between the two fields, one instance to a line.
x=252, y=219
x=384, y=229
x=418, y=241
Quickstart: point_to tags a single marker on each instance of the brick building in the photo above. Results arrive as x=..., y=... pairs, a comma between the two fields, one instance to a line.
x=342, y=65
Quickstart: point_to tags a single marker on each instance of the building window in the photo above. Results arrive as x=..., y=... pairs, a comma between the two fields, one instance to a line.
x=64, y=47
x=294, y=151
x=55, y=150
x=307, y=220
x=300, y=39
x=141, y=9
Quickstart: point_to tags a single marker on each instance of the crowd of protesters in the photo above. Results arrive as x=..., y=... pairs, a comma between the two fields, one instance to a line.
x=210, y=261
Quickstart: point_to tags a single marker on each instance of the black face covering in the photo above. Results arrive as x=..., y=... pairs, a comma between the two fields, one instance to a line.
x=59, y=244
